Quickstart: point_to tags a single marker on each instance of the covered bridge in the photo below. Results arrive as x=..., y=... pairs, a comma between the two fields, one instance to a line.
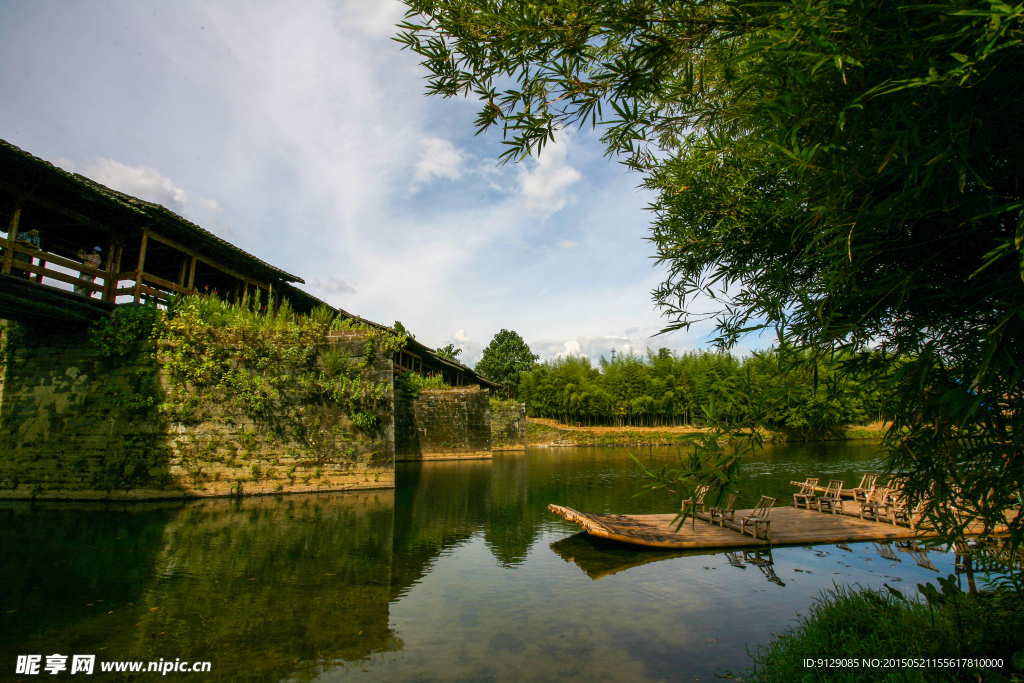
x=51, y=221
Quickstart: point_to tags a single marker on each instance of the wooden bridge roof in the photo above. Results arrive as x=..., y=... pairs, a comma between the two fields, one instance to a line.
x=91, y=203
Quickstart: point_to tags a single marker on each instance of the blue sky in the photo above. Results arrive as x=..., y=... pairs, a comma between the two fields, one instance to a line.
x=300, y=132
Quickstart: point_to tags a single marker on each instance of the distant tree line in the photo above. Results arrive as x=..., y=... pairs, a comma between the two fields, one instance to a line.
x=663, y=389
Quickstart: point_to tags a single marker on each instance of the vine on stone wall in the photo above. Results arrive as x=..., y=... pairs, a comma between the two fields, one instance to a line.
x=278, y=368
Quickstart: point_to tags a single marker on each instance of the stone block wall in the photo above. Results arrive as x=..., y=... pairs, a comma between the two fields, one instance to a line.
x=68, y=432
x=508, y=426
x=444, y=424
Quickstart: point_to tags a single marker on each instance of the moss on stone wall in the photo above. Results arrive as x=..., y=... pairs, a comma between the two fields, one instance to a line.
x=206, y=399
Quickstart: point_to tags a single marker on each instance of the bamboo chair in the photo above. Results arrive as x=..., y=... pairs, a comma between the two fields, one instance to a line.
x=832, y=496
x=867, y=483
x=722, y=512
x=901, y=510
x=807, y=493
x=698, y=498
x=758, y=518
x=876, y=503
x=895, y=487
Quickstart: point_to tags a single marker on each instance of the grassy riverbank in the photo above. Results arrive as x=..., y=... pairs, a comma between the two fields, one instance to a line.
x=855, y=634
x=545, y=431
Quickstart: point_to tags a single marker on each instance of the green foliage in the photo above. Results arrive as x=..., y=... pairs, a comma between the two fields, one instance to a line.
x=400, y=329
x=449, y=352
x=238, y=353
x=801, y=396
x=861, y=624
x=127, y=331
x=846, y=173
x=366, y=421
x=127, y=340
x=139, y=393
x=504, y=359
x=714, y=460
x=322, y=315
x=410, y=384
x=333, y=362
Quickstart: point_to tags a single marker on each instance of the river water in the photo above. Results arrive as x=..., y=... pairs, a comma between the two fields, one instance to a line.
x=460, y=573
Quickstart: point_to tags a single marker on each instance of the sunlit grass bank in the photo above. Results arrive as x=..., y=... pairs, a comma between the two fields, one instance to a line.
x=851, y=633
x=552, y=431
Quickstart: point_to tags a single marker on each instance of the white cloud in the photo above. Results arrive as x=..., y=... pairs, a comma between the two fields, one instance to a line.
x=596, y=346
x=544, y=181
x=440, y=159
x=471, y=351
x=144, y=182
x=333, y=285
x=568, y=244
x=373, y=17
x=572, y=348
x=210, y=205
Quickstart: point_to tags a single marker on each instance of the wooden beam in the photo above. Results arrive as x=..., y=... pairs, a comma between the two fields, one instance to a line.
x=63, y=277
x=142, y=264
x=113, y=258
x=12, y=237
x=58, y=260
x=167, y=284
x=204, y=259
x=63, y=210
x=192, y=275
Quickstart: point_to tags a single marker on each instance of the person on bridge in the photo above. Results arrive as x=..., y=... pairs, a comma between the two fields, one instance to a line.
x=32, y=239
x=92, y=260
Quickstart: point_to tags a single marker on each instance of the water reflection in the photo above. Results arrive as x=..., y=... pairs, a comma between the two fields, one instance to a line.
x=264, y=588
x=460, y=573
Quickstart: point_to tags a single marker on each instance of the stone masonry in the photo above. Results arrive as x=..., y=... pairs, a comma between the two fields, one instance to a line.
x=66, y=433
x=444, y=424
x=508, y=426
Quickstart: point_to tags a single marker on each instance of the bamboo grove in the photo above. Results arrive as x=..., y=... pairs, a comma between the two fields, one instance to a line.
x=812, y=398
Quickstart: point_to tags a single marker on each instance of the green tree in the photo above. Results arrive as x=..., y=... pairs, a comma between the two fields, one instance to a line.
x=504, y=358
x=847, y=172
x=400, y=329
x=449, y=352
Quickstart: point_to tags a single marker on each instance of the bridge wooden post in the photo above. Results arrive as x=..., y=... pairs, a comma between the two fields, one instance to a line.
x=142, y=264
x=113, y=268
x=12, y=237
x=192, y=275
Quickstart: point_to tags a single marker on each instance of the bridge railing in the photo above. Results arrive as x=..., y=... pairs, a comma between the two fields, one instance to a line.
x=47, y=260
x=90, y=280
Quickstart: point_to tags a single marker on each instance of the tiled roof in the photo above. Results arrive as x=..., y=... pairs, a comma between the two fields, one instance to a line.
x=142, y=212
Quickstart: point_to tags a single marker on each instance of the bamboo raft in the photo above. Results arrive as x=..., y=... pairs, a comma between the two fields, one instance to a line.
x=790, y=526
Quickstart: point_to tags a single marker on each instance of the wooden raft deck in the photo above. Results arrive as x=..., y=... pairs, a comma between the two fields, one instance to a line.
x=790, y=526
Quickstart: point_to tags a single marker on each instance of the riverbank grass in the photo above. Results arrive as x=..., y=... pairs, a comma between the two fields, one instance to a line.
x=542, y=430
x=851, y=627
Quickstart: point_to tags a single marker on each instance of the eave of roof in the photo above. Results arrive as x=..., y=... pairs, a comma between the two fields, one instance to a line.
x=92, y=191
